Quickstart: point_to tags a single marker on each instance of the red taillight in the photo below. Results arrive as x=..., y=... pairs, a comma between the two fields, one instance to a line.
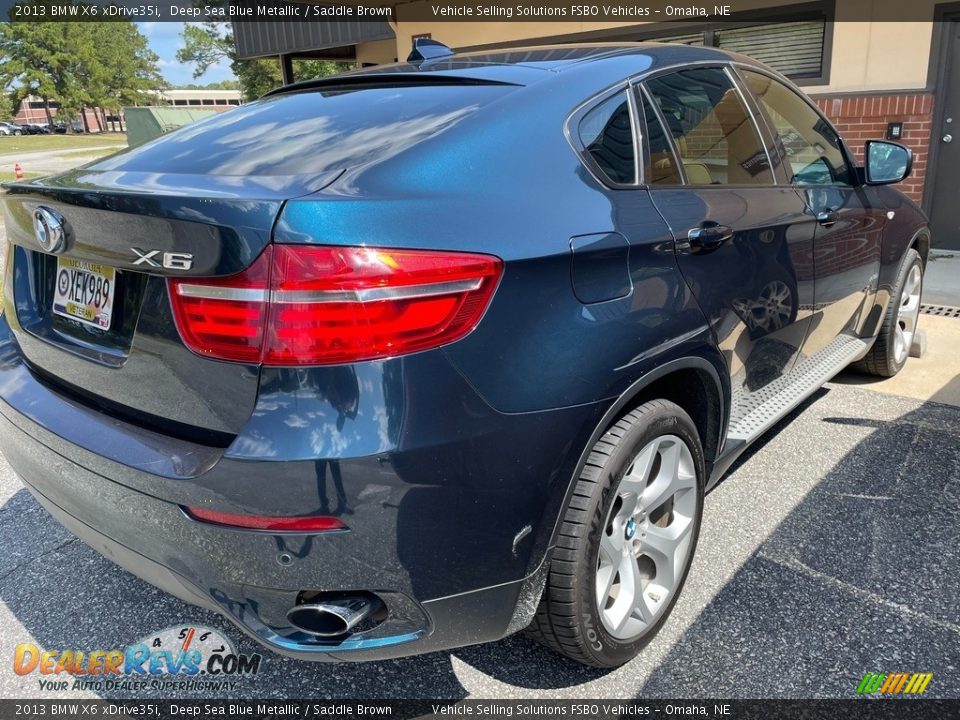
x=309, y=305
x=299, y=523
x=224, y=318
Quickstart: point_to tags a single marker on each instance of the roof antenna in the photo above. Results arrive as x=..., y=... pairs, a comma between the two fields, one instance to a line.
x=427, y=49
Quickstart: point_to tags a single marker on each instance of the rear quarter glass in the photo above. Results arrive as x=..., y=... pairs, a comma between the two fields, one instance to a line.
x=309, y=132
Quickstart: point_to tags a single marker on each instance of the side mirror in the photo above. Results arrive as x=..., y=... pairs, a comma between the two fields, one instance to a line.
x=887, y=162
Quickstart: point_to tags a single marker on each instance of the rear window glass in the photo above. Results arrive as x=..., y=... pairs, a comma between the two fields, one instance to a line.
x=309, y=132
x=606, y=133
x=661, y=168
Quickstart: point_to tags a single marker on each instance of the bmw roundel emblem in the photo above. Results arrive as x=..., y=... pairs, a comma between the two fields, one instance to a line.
x=49, y=230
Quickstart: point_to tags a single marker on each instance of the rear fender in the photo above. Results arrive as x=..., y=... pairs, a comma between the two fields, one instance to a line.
x=708, y=361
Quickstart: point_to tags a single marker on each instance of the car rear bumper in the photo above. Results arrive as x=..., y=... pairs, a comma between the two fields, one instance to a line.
x=456, y=562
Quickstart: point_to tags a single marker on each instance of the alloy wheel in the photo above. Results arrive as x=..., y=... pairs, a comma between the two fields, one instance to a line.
x=908, y=314
x=647, y=538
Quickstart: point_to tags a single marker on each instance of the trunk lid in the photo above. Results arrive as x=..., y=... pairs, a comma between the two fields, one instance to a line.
x=200, y=201
x=133, y=230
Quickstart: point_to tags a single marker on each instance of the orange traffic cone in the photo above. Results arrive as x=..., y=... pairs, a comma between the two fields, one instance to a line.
x=18, y=172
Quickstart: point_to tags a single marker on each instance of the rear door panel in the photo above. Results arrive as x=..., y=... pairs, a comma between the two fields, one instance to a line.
x=752, y=287
x=743, y=243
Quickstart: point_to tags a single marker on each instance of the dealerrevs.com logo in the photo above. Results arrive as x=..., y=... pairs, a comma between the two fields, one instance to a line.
x=185, y=657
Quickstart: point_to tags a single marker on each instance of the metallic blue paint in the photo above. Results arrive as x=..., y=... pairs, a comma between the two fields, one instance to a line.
x=451, y=466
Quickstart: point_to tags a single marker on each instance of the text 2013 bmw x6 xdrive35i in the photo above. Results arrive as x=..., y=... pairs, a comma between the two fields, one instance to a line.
x=420, y=356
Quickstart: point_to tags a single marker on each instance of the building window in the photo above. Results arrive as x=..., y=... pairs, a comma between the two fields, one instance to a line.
x=688, y=39
x=800, y=49
x=792, y=48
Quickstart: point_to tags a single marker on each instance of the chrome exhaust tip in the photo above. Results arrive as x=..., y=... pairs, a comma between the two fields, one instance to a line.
x=332, y=617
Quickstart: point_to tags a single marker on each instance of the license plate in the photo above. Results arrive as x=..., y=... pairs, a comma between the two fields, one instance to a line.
x=84, y=291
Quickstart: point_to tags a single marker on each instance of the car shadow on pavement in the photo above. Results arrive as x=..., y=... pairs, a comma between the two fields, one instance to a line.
x=859, y=577
x=757, y=445
x=66, y=596
x=521, y=662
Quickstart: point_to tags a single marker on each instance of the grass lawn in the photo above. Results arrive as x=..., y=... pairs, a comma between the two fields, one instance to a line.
x=32, y=143
x=10, y=177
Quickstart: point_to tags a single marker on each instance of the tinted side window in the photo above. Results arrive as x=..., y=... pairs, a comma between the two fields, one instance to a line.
x=810, y=147
x=717, y=140
x=661, y=167
x=606, y=133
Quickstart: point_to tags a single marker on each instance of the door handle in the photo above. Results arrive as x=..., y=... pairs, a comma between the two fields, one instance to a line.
x=827, y=217
x=709, y=236
x=948, y=138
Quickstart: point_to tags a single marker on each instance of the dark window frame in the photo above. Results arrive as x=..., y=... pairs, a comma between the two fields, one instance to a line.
x=644, y=130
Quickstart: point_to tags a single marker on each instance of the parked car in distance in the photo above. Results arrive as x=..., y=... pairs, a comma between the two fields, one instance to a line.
x=9, y=128
x=35, y=129
x=58, y=128
x=426, y=354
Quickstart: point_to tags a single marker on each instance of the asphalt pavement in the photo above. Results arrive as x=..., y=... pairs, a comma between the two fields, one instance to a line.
x=830, y=551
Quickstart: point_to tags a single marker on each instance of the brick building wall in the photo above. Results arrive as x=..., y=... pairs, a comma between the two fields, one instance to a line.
x=864, y=117
x=26, y=113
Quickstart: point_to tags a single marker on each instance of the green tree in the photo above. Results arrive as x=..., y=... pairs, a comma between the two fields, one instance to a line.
x=208, y=43
x=126, y=72
x=77, y=65
x=307, y=69
x=7, y=107
x=42, y=59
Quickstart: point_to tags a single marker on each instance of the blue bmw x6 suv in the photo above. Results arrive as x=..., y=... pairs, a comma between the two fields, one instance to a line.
x=420, y=356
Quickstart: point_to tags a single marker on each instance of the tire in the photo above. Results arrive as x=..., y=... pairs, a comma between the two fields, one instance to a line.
x=570, y=618
x=17, y=132
x=891, y=349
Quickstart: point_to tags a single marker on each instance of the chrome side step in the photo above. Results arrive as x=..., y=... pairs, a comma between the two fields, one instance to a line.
x=771, y=402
